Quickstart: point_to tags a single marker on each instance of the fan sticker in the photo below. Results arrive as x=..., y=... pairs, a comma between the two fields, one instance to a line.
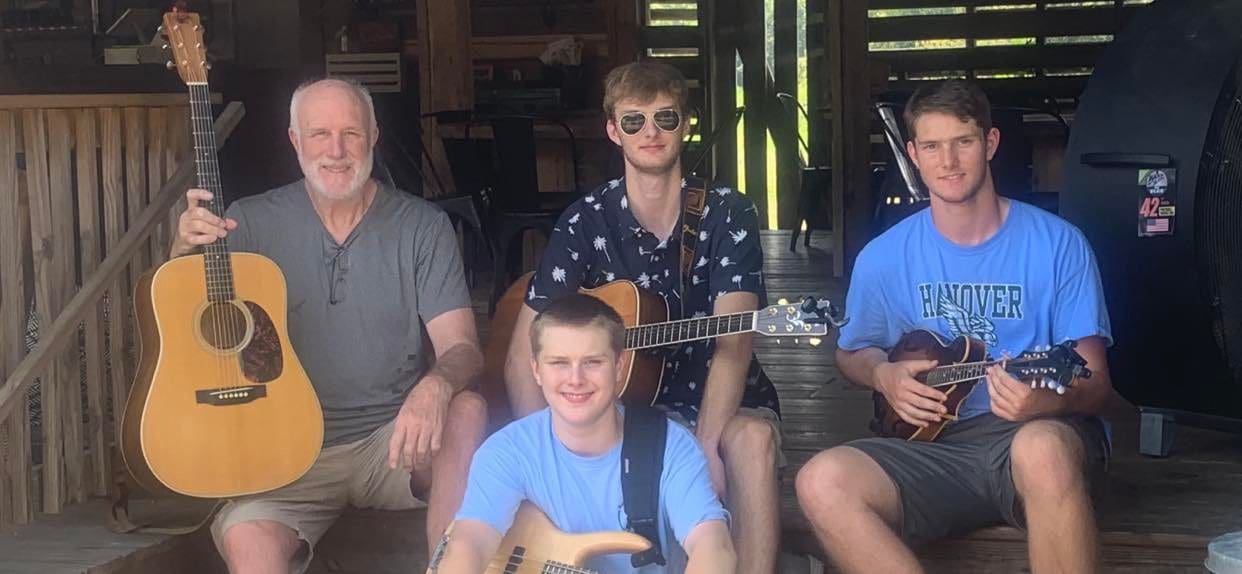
x=1157, y=207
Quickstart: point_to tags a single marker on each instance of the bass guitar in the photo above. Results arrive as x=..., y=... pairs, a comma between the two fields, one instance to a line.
x=220, y=406
x=533, y=545
x=648, y=329
x=963, y=363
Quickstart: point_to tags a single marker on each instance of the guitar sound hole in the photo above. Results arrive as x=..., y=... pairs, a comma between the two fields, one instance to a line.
x=223, y=325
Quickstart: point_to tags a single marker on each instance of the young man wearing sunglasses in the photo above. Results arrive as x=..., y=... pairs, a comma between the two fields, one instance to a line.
x=631, y=228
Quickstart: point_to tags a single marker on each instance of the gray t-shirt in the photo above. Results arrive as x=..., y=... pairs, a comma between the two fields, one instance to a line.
x=357, y=309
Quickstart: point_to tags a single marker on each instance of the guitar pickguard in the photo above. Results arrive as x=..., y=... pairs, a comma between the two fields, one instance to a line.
x=262, y=360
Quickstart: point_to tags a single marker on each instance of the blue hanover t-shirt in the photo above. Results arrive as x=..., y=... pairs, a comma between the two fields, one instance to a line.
x=1031, y=285
x=525, y=461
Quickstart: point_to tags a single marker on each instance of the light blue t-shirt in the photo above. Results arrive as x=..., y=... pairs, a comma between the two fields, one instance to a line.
x=1031, y=285
x=525, y=461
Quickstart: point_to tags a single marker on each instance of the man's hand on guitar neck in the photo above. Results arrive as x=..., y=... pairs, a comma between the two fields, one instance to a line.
x=198, y=225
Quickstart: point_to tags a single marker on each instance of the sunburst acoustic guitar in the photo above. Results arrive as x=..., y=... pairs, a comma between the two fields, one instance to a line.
x=220, y=405
x=647, y=331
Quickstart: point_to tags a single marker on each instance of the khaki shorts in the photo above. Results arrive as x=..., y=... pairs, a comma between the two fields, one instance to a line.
x=354, y=474
x=763, y=413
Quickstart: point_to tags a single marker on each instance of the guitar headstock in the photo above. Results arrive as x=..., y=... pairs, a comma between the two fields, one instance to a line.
x=1054, y=368
x=810, y=317
x=189, y=50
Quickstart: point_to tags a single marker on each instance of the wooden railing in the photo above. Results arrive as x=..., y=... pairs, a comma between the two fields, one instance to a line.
x=90, y=188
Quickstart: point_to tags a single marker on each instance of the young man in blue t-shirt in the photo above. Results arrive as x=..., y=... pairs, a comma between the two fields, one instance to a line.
x=566, y=458
x=1012, y=276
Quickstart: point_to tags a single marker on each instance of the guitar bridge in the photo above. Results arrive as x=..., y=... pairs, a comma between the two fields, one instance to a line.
x=230, y=395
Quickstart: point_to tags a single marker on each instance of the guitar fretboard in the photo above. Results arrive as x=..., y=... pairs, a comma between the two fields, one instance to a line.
x=674, y=332
x=216, y=255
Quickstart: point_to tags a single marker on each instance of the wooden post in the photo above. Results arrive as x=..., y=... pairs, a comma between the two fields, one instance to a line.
x=69, y=380
x=846, y=26
x=722, y=38
x=16, y=473
x=445, y=81
x=785, y=78
x=622, y=31
x=754, y=76
x=113, y=158
x=89, y=235
x=43, y=248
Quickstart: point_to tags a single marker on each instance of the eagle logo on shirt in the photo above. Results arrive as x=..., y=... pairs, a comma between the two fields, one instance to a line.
x=963, y=322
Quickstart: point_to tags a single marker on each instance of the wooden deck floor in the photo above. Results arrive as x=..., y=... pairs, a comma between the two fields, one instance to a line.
x=1157, y=515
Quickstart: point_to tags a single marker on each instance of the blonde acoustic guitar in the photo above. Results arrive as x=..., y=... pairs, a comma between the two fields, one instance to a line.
x=220, y=406
x=533, y=545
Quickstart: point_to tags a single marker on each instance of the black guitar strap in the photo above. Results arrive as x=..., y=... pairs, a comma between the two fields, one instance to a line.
x=642, y=463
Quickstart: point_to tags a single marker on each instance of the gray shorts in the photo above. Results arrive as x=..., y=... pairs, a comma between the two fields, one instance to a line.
x=963, y=480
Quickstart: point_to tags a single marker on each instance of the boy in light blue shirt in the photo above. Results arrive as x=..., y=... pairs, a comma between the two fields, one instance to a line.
x=566, y=458
x=1005, y=273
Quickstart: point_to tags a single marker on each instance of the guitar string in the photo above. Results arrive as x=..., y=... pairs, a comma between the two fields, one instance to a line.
x=975, y=364
x=670, y=332
x=195, y=128
x=224, y=327
x=225, y=265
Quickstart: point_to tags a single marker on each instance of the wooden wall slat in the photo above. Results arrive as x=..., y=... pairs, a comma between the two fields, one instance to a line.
x=61, y=192
x=45, y=270
x=112, y=169
x=1015, y=24
x=16, y=471
x=176, y=150
x=136, y=196
x=754, y=83
x=1008, y=57
x=90, y=254
x=157, y=130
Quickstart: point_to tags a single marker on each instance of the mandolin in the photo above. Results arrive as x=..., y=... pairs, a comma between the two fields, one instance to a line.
x=220, y=406
x=647, y=330
x=963, y=363
x=533, y=545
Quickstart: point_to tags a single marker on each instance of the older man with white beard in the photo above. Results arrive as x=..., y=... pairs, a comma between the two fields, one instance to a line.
x=369, y=270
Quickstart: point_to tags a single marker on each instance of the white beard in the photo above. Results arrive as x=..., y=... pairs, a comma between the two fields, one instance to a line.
x=362, y=173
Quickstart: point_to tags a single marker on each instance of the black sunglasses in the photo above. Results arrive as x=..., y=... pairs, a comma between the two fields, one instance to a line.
x=632, y=122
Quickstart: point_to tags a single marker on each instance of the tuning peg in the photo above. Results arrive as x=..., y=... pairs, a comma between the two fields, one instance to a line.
x=164, y=47
x=159, y=29
x=797, y=341
x=170, y=65
x=782, y=301
x=815, y=341
x=206, y=65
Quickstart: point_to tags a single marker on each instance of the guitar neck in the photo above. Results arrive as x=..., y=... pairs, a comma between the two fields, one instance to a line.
x=553, y=567
x=674, y=332
x=219, y=265
x=954, y=374
x=963, y=372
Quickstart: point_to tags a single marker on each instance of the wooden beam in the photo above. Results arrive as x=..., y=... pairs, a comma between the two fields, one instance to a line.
x=1016, y=24
x=785, y=79
x=43, y=251
x=112, y=161
x=845, y=24
x=13, y=305
x=445, y=80
x=623, y=27
x=722, y=37
x=50, y=101
x=89, y=253
x=754, y=76
x=64, y=328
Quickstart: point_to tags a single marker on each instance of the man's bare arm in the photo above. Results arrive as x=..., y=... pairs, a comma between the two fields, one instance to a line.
x=524, y=395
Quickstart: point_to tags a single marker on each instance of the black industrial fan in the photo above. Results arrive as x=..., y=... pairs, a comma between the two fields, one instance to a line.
x=1153, y=177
